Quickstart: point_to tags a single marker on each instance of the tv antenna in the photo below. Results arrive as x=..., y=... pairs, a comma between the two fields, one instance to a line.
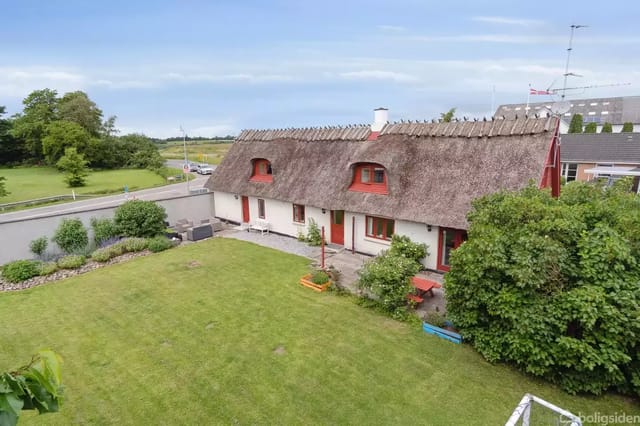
x=566, y=67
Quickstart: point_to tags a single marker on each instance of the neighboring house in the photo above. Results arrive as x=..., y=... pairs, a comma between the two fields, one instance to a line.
x=588, y=156
x=617, y=111
x=366, y=183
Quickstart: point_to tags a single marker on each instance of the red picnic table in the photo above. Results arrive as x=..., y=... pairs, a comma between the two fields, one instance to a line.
x=422, y=286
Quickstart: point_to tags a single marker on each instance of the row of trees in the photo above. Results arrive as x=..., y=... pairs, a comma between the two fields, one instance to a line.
x=577, y=126
x=50, y=124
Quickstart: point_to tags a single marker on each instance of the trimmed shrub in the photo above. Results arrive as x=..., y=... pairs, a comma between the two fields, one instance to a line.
x=102, y=254
x=159, y=243
x=117, y=249
x=73, y=261
x=133, y=245
x=103, y=230
x=402, y=245
x=20, y=270
x=38, y=246
x=48, y=268
x=71, y=236
x=137, y=218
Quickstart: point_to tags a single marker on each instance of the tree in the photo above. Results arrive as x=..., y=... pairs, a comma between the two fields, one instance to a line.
x=142, y=153
x=37, y=385
x=551, y=285
x=40, y=109
x=74, y=166
x=446, y=117
x=61, y=135
x=11, y=151
x=576, y=124
x=627, y=127
x=606, y=128
x=3, y=190
x=591, y=128
x=76, y=107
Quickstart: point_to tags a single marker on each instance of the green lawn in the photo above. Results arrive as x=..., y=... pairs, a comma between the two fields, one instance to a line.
x=28, y=183
x=211, y=153
x=220, y=332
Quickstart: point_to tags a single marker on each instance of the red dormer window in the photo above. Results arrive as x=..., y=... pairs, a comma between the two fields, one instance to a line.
x=369, y=177
x=261, y=171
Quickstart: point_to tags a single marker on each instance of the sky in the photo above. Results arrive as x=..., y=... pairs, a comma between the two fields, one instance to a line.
x=217, y=67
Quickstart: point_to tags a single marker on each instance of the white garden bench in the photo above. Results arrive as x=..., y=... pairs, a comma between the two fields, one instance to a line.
x=261, y=225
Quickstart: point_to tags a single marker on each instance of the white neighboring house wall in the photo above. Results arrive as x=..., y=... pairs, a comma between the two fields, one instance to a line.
x=279, y=214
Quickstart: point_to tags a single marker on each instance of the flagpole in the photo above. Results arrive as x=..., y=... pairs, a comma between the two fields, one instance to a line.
x=528, y=96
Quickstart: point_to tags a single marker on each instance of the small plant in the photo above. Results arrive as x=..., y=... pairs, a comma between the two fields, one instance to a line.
x=435, y=318
x=133, y=245
x=314, y=238
x=102, y=254
x=103, y=230
x=159, y=243
x=319, y=277
x=71, y=236
x=38, y=246
x=48, y=268
x=301, y=237
x=72, y=261
x=20, y=270
x=117, y=249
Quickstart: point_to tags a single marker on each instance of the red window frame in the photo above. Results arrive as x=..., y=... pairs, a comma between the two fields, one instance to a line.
x=298, y=213
x=385, y=225
x=262, y=171
x=261, y=209
x=364, y=179
x=458, y=236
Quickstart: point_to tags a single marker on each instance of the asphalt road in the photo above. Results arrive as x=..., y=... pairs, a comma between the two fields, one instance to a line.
x=152, y=194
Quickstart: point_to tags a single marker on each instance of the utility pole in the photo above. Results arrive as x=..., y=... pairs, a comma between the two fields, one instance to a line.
x=185, y=167
x=566, y=68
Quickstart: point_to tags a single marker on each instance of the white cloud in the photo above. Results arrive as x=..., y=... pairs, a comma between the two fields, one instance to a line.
x=507, y=21
x=17, y=82
x=378, y=75
x=392, y=28
x=254, y=78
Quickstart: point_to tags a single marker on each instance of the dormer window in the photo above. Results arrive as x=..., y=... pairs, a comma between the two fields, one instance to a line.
x=262, y=171
x=369, y=177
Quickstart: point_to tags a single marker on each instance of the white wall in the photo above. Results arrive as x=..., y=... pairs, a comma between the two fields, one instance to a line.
x=227, y=207
x=416, y=231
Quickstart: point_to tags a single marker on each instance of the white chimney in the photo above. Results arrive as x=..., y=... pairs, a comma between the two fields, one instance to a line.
x=380, y=118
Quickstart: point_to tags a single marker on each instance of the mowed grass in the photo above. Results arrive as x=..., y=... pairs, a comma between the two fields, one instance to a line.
x=28, y=183
x=201, y=152
x=220, y=332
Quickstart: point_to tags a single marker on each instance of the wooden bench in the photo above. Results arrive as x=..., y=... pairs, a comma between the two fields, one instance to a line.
x=415, y=298
x=424, y=285
x=261, y=225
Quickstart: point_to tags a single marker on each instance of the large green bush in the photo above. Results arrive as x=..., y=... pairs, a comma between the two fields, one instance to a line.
x=551, y=285
x=103, y=230
x=137, y=218
x=159, y=243
x=388, y=276
x=20, y=270
x=71, y=236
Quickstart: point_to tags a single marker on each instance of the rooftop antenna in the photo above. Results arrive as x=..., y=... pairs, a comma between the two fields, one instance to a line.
x=566, y=67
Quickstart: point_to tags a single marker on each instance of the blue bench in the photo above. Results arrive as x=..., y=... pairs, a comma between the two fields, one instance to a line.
x=442, y=333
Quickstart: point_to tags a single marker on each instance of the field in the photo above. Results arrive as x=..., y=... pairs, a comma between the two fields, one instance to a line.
x=28, y=183
x=220, y=332
x=198, y=152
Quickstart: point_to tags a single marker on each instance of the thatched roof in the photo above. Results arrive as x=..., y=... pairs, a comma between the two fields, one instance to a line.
x=434, y=170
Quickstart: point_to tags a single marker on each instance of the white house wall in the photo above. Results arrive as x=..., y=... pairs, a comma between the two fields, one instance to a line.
x=416, y=231
x=279, y=214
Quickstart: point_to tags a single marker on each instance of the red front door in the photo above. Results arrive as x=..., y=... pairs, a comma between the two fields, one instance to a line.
x=245, y=209
x=337, y=227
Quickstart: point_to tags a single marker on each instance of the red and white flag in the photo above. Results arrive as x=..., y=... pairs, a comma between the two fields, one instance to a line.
x=539, y=92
